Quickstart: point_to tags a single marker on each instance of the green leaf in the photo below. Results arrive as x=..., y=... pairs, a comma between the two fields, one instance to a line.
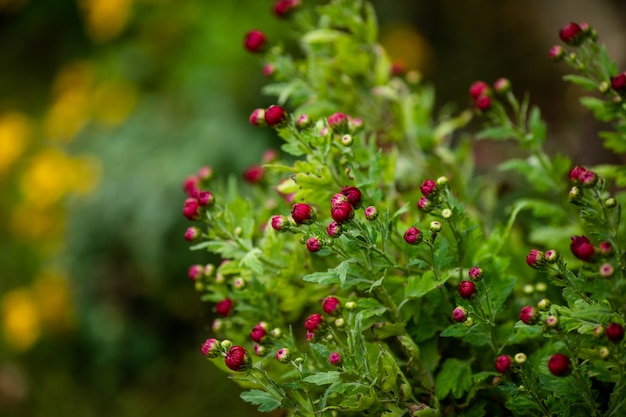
x=537, y=126
x=420, y=285
x=615, y=141
x=323, y=378
x=251, y=260
x=476, y=335
x=497, y=133
x=264, y=400
x=584, y=82
x=523, y=332
x=455, y=377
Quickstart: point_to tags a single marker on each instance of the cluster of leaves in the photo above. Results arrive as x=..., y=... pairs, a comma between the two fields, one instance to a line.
x=432, y=247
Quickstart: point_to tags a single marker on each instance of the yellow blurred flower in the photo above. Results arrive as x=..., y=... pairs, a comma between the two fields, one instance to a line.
x=21, y=322
x=113, y=101
x=43, y=225
x=51, y=290
x=404, y=43
x=47, y=178
x=15, y=133
x=105, y=19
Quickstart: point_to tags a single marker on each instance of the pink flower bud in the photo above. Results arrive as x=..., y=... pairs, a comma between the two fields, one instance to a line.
x=268, y=70
x=313, y=244
x=338, y=122
x=588, y=179
x=614, y=332
x=371, y=213
x=303, y=213
x=195, y=271
x=479, y=88
x=428, y=188
x=559, y=365
x=331, y=305
x=257, y=117
x=224, y=307
x=535, y=258
x=258, y=333
x=605, y=248
x=192, y=234
x=314, y=322
x=283, y=8
x=606, y=270
x=335, y=359
x=191, y=209
x=280, y=223
x=269, y=156
x=467, y=289
x=254, y=41
x=571, y=34
x=238, y=359
x=459, y=314
x=191, y=186
x=342, y=212
x=353, y=194
x=275, y=116
x=423, y=204
x=529, y=315
x=618, y=83
x=310, y=336
x=483, y=103
x=205, y=173
x=205, y=198
x=259, y=350
x=556, y=53
x=254, y=174
x=283, y=355
x=334, y=229
x=582, y=248
x=413, y=236
x=503, y=363
x=502, y=86
x=475, y=273
x=303, y=122
x=211, y=348
x=337, y=199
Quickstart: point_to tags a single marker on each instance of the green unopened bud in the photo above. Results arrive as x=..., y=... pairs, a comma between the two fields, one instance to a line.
x=604, y=87
x=598, y=332
x=238, y=230
x=209, y=269
x=446, y=213
x=340, y=322
x=541, y=287
x=544, y=304
x=219, y=278
x=520, y=358
x=346, y=140
x=299, y=360
x=610, y=203
x=277, y=333
x=528, y=289
x=199, y=286
x=604, y=352
x=469, y=322
x=239, y=283
x=350, y=305
x=226, y=344
x=441, y=181
x=575, y=194
x=552, y=322
x=435, y=226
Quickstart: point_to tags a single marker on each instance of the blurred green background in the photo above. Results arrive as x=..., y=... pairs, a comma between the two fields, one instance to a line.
x=106, y=105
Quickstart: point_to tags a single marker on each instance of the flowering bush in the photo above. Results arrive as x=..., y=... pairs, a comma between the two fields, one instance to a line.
x=370, y=269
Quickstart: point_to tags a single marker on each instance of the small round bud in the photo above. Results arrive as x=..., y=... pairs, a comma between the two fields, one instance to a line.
x=259, y=333
x=342, y=212
x=446, y=213
x=334, y=229
x=615, y=332
x=467, y=289
x=199, y=286
x=475, y=273
x=192, y=234
x=535, y=259
x=551, y=256
x=541, y=287
x=529, y=315
x=338, y=123
x=219, y=278
x=483, y=103
x=598, y=331
x=217, y=325
x=572, y=34
x=340, y=322
x=610, y=203
x=424, y=204
x=469, y=322
x=191, y=209
x=544, y=304
x=255, y=41
x=575, y=194
x=350, y=305
x=371, y=213
x=303, y=122
x=211, y=348
x=435, y=226
x=604, y=352
x=195, y=272
x=478, y=88
x=283, y=355
x=279, y=223
x=520, y=358
x=313, y=244
x=224, y=307
x=606, y=270
x=582, y=248
x=353, y=194
x=284, y=8
x=441, y=181
x=459, y=314
x=604, y=87
x=528, y=289
x=303, y=213
x=503, y=363
x=556, y=53
x=552, y=322
x=429, y=188
x=205, y=199
x=347, y=140
x=275, y=116
x=226, y=344
x=559, y=365
x=257, y=117
x=209, y=269
x=331, y=305
x=335, y=359
x=413, y=236
x=618, y=83
x=238, y=359
x=502, y=86
x=605, y=248
x=259, y=350
x=314, y=322
x=239, y=283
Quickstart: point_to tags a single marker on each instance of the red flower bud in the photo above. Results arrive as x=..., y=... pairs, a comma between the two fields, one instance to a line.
x=302, y=213
x=211, y=348
x=503, y=363
x=479, y=88
x=280, y=223
x=483, y=103
x=335, y=359
x=467, y=289
x=254, y=174
x=582, y=248
x=313, y=244
x=314, y=322
x=413, y=236
x=268, y=69
x=502, y=86
x=205, y=198
x=338, y=122
x=224, y=307
x=475, y=273
x=283, y=355
x=342, y=212
x=423, y=204
x=331, y=305
x=605, y=248
x=459, y=314
x=195, y=271
x=257, y=117
x=254, y=41
x=559, y=365
x=191, y=186
x=192, y=234
x=191, y=209
x=529, y=315
x=428, y=188
x=337, y=199
x=238, y=359
x=614, y=332
x=353, y=194
x=535, y=258
x=571, y=34
x=283, y=8
x=258, y=333
x=334, y=229
x=371, y=213
x=556, y=53
x=618, y=83
x=275, y=116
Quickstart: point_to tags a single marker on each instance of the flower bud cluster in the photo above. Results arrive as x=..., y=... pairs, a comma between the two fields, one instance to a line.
x=236, y=358
x=198, y=200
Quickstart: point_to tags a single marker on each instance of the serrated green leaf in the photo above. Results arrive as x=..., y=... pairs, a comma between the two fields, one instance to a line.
x=537, y=126
x=264, y=400
x=455, y=377
x=584, y=82
x=420, y=285
x=523, y=332
x=476, y=335
x=497, y=133
x=323, y=378
x=252, y=261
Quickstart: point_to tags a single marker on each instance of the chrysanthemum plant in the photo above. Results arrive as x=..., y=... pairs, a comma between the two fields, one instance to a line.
x=368, y=269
